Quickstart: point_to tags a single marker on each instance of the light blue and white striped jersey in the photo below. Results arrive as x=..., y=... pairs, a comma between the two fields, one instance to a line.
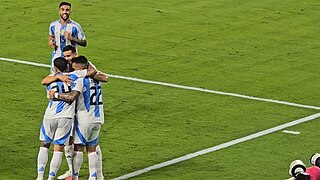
x=90, y=102
x=58, y=109
x=57, y=31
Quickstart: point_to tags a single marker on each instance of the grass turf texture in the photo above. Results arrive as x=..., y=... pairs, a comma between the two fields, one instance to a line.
x=263, y=158
x=260, y=48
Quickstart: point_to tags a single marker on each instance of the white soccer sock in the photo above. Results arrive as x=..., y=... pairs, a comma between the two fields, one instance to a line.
x=68, y=150
x=50, y=178
x=55, y=164
x=93, y=163
x=99, y=167
x=42, y=161
x=77, y=162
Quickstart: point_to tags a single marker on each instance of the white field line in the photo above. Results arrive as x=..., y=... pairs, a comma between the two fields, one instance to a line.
x=25, y=62
x=181, y=86
x=291, y=132
x=218, y=147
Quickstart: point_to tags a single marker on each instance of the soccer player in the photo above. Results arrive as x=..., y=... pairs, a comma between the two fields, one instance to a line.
x=56, y=125
x=65, y=31
x=69, y=52
x=89, y=118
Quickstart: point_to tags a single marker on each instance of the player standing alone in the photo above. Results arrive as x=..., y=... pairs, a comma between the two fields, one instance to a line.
x=65, y=31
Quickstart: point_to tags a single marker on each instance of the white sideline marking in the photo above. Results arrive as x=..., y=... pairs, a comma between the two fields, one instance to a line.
x=181, y=86
x=218, y=147
x=25, y=62
x=291, y=132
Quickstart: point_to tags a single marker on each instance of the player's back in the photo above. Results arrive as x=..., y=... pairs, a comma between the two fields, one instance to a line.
x=90, y=102
x=58, y=109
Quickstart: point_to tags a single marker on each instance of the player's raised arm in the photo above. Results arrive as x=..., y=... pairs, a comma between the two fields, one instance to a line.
x=102, y=77
x=91, y=70
x=49, y=79
x=95, y=74
x=59, y=77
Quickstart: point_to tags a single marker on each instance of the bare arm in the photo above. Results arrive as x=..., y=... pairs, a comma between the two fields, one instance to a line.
x=91, y=71
x=79, y=41
x=50, y=79
x=67, y=97
x=102, y=77
x=75, y=40
x=51, y=42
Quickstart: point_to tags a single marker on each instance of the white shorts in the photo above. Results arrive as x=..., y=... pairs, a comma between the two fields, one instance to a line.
x=86, y=133
x=57, y=130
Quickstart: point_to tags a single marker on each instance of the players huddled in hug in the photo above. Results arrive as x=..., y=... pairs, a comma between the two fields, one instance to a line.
x=75, y=112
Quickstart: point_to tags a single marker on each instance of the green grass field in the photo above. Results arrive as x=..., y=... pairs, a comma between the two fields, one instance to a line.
x=266, y=49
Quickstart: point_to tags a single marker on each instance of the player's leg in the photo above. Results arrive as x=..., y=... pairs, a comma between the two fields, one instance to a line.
x=80, y=135
x=68, y=150
x=42, y=159
x=93, y=162
x=55, y=161
x=99, y=167
x=62, y=134
x=77, y=160
x=45, y=137
x=91, y=145
x=69, y=153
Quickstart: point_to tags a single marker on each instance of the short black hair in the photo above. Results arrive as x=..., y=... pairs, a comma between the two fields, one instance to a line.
x=69, y=48
x=64, y=3
x=80, y=60
x=60, y=63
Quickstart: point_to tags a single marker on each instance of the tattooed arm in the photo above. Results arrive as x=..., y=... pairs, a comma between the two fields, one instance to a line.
x=91, y=70
x=67, y=97
x=100, y=76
